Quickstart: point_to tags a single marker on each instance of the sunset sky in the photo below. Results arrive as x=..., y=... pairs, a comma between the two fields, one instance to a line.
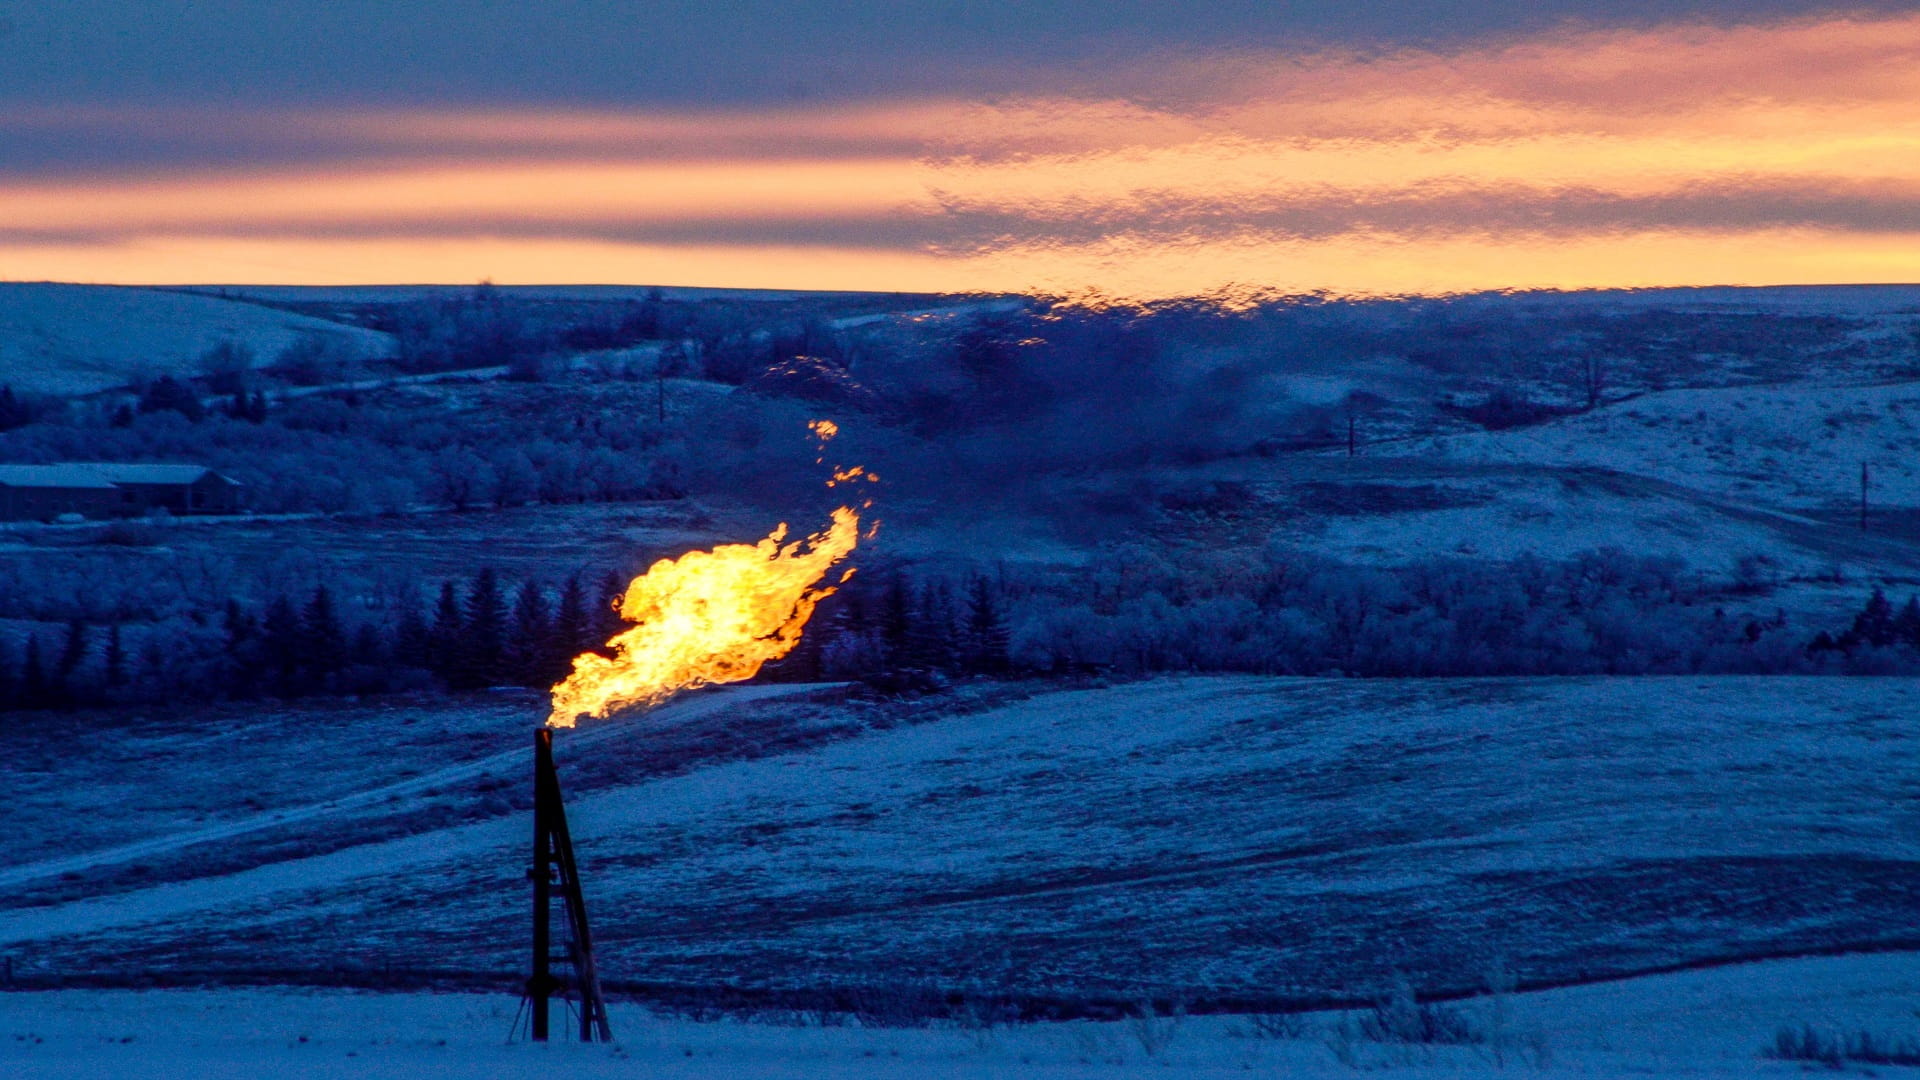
x=1140, y=149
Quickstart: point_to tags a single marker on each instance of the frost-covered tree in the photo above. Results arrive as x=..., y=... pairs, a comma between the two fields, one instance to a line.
x=515, y=480
x=986, y=635
x=168, y=394
x=226, y=366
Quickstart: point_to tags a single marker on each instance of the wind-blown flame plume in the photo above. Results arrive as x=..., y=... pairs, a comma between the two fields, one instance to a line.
x=707, y=617
x=714, y=616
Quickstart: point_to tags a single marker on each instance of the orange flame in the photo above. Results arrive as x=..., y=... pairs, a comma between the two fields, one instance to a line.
x=707, y=617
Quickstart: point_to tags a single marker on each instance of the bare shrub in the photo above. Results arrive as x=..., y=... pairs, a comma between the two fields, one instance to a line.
x=1279, y=1025
x=1399, y=1017
x=1834, y=1049
x=1155, y=1030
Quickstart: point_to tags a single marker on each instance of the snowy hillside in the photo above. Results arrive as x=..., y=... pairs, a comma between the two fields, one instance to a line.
x=1798, y=446
x=75, y=339
x=1226, y=839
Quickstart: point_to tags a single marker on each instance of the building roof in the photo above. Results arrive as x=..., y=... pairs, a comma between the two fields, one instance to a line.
x=146, y=474
x=51, y=476
x=101, y=474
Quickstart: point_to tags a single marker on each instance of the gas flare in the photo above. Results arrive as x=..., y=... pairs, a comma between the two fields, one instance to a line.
x=708, y=617
x=714, y=616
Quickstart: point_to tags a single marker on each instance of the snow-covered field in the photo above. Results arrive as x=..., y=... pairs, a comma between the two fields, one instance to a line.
x=75, y=339
x=1697, y=1024
x=1210, y=838
x=1794, y=446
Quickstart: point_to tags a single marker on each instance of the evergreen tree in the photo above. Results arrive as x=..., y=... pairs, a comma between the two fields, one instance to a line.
x=1906, y=626
x=1874, y=625
x=896, y=621
x=368, y=648
x=850, y=614
x=486, y=632
x=930, y=644
x=412, y=637
x=324, y=640
x=530, y=644
x=33, y=676
x=986, y=629
x=245, y=656
x=569, y=638
x=804, y=663
x=280, y=638
x=9, y=677
x=607, y=621
x=449, y=632
x=72, y=655
x=855, y=650
x=116, y=661
x=13, y=412
x=155, y=673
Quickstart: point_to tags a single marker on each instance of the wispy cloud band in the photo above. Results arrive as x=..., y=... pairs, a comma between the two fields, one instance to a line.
x=1648, y=153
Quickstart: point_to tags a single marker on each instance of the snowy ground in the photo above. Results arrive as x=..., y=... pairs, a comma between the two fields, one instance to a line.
x=1276, y=840
x=1699, y=1024
x=1797, y=446
x=76, y=339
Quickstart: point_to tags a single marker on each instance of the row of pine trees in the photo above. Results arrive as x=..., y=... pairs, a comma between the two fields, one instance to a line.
x=1875, y=627
x=483, y=633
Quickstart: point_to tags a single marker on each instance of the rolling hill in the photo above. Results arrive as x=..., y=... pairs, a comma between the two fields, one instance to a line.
x=78, y=339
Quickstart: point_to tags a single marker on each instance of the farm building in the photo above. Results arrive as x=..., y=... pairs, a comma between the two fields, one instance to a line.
x=102, y=490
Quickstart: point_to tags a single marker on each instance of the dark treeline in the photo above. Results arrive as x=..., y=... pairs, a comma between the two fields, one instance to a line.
x=1603, y=613
x=466, y=636
x=1879, y=641
x=470, y=635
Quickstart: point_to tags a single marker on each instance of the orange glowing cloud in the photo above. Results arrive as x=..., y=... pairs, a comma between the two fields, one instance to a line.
x=1683, y=154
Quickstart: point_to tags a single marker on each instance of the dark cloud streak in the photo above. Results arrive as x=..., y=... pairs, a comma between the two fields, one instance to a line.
x=691, y=53
x=155, y=143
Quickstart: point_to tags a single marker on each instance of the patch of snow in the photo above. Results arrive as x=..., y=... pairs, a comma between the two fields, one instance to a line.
x=78, y=339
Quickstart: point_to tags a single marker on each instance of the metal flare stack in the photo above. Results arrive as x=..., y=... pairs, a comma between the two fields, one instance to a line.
x=554, y=869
